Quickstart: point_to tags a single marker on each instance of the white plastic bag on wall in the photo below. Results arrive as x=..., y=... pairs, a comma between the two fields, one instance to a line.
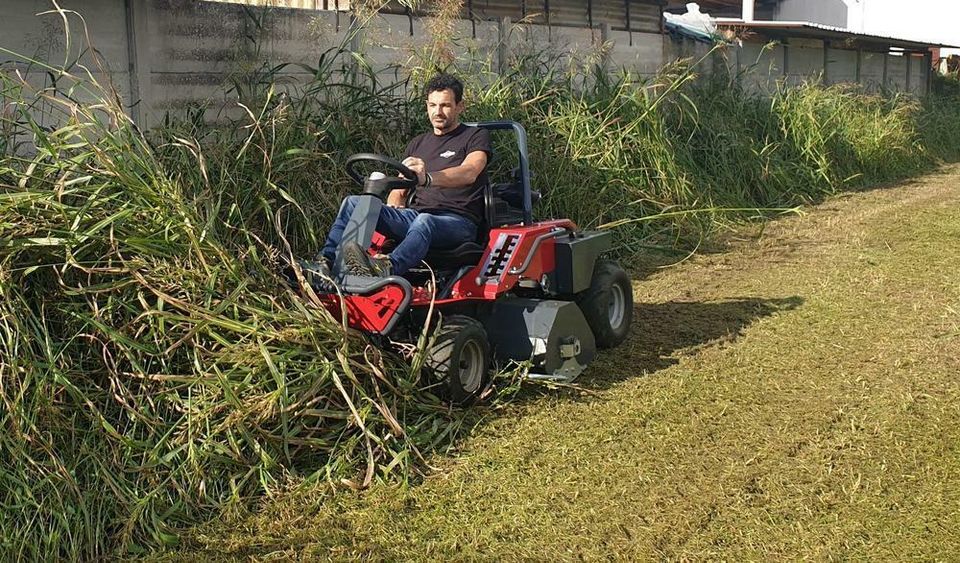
x=694, y=22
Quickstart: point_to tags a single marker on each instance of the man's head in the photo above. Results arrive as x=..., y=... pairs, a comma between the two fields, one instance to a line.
x=444, y=103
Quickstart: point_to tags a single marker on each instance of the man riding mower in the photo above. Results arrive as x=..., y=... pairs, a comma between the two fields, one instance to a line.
x=501, y=285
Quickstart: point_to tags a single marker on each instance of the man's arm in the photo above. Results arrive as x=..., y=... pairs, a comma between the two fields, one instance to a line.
x=455, y=177
x=460, y=176
x=398, y=198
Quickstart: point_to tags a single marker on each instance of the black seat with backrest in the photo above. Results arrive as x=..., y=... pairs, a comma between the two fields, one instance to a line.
x=500, y=203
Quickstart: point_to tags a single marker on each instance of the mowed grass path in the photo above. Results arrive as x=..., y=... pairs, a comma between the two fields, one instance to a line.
x=796, y=395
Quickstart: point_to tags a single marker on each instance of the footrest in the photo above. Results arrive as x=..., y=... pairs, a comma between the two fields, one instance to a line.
x=373, y=305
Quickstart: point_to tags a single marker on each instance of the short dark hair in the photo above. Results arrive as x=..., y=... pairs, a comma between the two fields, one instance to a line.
x=443, y=81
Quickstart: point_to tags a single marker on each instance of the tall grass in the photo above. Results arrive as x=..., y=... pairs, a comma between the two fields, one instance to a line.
x=152, y=366
x=671, y=159
x=154, y=370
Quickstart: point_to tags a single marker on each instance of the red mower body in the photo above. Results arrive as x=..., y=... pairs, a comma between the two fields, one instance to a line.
x=525, y=291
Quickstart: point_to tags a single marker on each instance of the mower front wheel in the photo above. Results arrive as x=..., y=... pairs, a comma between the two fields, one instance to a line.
x=459, y=359
x=608, y=304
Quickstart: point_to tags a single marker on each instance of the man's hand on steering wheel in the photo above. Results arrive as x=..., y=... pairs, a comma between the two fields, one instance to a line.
x=382, y=187
x=418, y=166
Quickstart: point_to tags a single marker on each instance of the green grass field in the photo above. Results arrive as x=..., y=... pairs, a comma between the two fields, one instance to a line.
x=792, y=394
x=156, y=373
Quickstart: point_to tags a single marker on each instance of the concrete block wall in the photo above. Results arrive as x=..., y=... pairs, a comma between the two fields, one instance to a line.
x=919, y=75
x=571, y=49
x=640, y=53
x=872, y=70
x=166, y=55
x=760, y=66
x=42, y=39
x=841, y=66
x=697, y=51
x=194, y=52
x=897, y=73
x=804, y=61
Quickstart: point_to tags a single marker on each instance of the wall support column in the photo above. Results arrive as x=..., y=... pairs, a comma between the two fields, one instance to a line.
x=826, y=63
x=886, y=60
x=909, y=57
x=503, y=47
x=138, y=55
x=859, y=65
x=605, y=47
x=786, y=59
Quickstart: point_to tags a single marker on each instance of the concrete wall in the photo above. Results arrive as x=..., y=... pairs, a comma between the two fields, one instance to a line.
x=192, y=49
x=897, y=73
x=841, y=66
x=640, y=53
x=872, y=70
x=167, y=55
x=42, y=39
x=919, y=75
x=761, y=66
x=804, y=61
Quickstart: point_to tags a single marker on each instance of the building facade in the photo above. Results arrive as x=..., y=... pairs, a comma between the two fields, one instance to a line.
x=834, y=13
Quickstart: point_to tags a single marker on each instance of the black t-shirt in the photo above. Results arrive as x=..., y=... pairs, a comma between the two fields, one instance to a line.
x=439, y=152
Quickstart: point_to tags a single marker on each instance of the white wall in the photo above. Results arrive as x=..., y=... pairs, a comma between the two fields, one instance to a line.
x=827, y=12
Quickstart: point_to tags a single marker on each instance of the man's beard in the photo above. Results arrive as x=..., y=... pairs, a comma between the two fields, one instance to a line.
x=443, y=124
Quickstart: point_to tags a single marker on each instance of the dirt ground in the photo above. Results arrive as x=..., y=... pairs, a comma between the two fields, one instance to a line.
x=794, y=395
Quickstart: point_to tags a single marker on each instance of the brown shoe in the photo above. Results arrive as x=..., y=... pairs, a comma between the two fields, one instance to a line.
x=381, y=266
x=316, y=273
x=355, y=261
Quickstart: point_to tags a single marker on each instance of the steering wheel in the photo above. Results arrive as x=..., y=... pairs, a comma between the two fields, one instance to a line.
x=396, y=165
x=381, y=187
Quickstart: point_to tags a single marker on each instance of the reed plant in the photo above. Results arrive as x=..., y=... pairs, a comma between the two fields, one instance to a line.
x=154, y=370
x=153, y=367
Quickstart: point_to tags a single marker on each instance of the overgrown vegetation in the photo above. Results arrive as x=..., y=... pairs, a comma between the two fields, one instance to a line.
x=790, y=399
x=153, y=368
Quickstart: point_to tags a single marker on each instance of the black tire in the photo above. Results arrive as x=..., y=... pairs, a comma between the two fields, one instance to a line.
x=608, y=304
x=459, y=359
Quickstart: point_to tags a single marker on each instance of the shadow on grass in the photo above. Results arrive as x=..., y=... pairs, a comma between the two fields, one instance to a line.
x=661, y=332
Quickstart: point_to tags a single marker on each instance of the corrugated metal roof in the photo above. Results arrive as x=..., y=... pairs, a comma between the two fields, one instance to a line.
x=821, y=31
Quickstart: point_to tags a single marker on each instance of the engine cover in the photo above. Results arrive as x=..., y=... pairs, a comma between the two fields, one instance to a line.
x=553, y=335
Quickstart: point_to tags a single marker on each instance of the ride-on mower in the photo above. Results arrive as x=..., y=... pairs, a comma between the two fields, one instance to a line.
x=525, y=290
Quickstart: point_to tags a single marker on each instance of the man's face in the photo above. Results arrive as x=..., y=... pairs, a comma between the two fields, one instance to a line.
x=443, y=110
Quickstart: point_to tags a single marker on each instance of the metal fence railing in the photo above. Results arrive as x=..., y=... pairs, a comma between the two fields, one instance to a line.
x=340, y=5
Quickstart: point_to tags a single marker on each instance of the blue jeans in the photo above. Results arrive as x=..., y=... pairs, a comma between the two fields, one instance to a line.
x=416, y=231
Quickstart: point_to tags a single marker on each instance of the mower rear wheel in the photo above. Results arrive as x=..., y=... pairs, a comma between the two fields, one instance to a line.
x=608, y=304
x=459, y=359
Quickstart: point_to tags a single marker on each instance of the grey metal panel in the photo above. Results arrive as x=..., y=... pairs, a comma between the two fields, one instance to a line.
x=644, y=14
x=827, y=12
x=569, y=12
x=553, y=335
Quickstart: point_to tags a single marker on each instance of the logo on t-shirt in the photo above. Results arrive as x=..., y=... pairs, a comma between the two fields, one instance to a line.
x=447, y=154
